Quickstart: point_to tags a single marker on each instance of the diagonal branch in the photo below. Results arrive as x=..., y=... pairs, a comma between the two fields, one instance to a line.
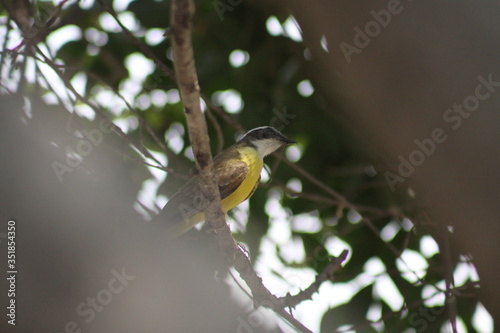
x=187, y=80
x=327, y=275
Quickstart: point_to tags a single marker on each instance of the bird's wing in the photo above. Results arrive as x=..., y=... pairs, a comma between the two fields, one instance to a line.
x=231, y=175
x=184, y=204
x=188, y=201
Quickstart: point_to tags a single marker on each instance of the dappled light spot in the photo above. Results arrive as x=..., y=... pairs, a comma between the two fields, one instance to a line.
x=158, y=174
x=96, y=37
x=374, y=312
x=138, y=66
x=143, y=102
x=295, y=185
x=273, y=202
x=239, y=217
x=407, y=224
x=279, y=231
x=332, y=220
x=305, y=88
x=428, y=246
x=154, y=36
x=264, y=174
x=129, y=20
x=14, y=39
x=307, y=223
x=147, y=193
x=79, y=81
x=461, y=327
x=188, y=153
x=87, y=4
x=161, y=201
x=293, y=251
x=170, y=54
x=390, y=231
x=273, y=26
x=463, y=272
x=307, y=54
x=335, y=245
x=158, y=98
x=92, y=50
x=298, y=278
x=238, y=58
x=57, y=85
x=481, y=319
x=83, y=110
x=412, y=265
x=50, y=98
x=108, y=99
x=374, y=266
x=229, y=99
x=120, y=5
x=293, y=153
x=386, y=289
x=432, y=296
x=108, y=23
x=353, y=216
x=123, y=124
x=129, y=88
x=30, y=72
x=173, y=96
x=203, y=105
x=324, y=43
x=174, y=137
x=292, y=29
x=133, y=123
x=63, y=35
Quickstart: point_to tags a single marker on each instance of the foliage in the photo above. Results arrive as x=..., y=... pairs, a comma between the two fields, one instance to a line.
x=335, y=198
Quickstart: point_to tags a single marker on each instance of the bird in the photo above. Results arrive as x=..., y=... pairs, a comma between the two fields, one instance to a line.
x=237, y=169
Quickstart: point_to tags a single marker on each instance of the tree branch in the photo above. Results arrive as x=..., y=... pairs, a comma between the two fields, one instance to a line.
x=187, y=80
x=327, y=275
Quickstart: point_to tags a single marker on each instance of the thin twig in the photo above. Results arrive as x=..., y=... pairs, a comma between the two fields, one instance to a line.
x=144, y=49
x=326, y=275
x=95, y=108
x=215, y=123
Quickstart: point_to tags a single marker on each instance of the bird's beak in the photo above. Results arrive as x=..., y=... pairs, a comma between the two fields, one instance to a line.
x=288, y=141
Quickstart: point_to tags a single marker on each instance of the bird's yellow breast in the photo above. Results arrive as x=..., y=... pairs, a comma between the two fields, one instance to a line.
x=251, y=157
x=255, y=163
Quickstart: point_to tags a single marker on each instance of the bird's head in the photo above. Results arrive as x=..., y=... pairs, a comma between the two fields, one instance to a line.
x=266, y=140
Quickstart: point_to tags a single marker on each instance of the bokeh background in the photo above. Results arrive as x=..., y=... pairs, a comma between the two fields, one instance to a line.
x=395, y=108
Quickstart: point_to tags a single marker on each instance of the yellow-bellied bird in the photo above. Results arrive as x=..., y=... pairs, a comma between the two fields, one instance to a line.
x=238, y=171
